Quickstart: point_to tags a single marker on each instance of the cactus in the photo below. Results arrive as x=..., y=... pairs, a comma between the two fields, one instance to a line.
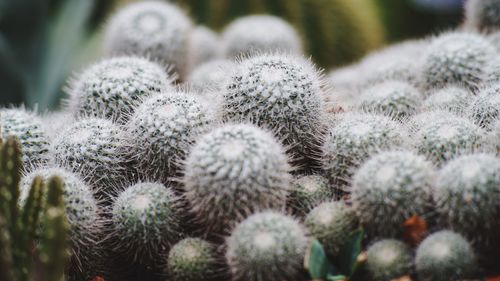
x=390, y=188
x=266, y=246
x=112, y=88
x=203, y=46
x=495, y=136
x=485, y=108
x=454, y=99
x=93, y=148
x=332, y=224
x=308, y=192
x=282, y=93
x=482, y=15
x=232, y=172
x=210, y=78
x=395, y=98
x=145, y=222
x=259, y=34
x=154, y=29
x=467, y=192
x=28, y=129
x=353, y=138
x=388, y=259
x=162, y=130
x=444, y=256
x=192, y=259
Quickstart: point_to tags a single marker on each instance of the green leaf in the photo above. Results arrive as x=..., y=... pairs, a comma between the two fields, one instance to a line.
x=349, y=252
x=317, y=263
x=335, y=278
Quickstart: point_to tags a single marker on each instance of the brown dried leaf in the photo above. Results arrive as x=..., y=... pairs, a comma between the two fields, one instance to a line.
x=415, y=230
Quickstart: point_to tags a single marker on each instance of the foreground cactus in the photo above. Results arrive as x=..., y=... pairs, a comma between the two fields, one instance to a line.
x=193, y=259
x=485, y=107
x=454, y=99
x=308, y=192
x=388, y=259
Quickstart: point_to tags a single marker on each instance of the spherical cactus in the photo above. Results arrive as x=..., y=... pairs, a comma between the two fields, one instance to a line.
x=390, y=188
x=395, y=98
x=203, y=46
x=153, y=29
x=444, y=256
x=388, y=259
x=453, y=99
x=282, y=93
x=467, y=192
x=211, y=76
x=55, y=122
x=259, y=34
x=265, y=247
x=352, y=139
x=485, y=108
x=345, y=83
x=145, y=222
x=28, y=129
x=400, y=69
x=234, y=171
x=307, y=192
x=456, y=58
x=93, y=148
x=192, y=259
x=446, y=137
x=161, y=130
x=113, y=87
x=332, y=223
x=495, y=136
x=483, y=15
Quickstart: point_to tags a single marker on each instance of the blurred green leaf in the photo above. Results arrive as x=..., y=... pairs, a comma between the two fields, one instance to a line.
x=317, y=263
x=348, y=254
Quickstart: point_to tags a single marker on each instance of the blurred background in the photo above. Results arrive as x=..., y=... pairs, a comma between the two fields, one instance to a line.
x=42, y=42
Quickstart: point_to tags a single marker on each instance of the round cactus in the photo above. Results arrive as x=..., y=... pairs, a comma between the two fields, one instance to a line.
x=265, y=247
x=203, y=46
x=307, y=192
x=55, y=122
x=389, y=188
x=453, y=99
x=467, y=192
x=495, y=136
x=192, y=259
x=28, y=129
x=93, y=148
x=444, y=256
x=485, y=108
x=388, y=259
x=233, y=172
x=281, y=93
x=145, y=222
x=456, y=58
x=483, y=15
x=259, y=34
x=395, y=98
x=113, y=87
x=161, y=130
x=211, y=76
x=153, y=29
x=332, y=223
x=353, y=138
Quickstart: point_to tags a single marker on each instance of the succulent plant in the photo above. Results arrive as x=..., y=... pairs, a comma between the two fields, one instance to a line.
x=456, y=58
x=210, y=77
x=485, y=107
x=154, y=29
x=203, y=46
x=495, y=136
x=352, y=139
x=444, y=256
x=232, y=172
x=265, y=247
x=145, y=222
x=454, y=99
x=282, y=93
x=162, y=129
x=112, y=88
x=29, y=130
x=308, y=192
x=389, y=188
x=483, y=15
x=332, y=224
x=259, y=34
x=395, y=98
x=388, y=259
x=192, y=259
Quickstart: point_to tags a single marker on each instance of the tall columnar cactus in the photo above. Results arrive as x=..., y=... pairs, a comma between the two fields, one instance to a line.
x=266, y=246
x=162, y=130
x=153, y=29
x=483, y=15
x=308, y=192
x=352, y=139
x=232, y=172
x=20, y=225
x=456, y=58
x=113, y=87
x=29, y=130
x=390, y=188
x=193, y=259
x=388, y=259
x=485, y=107
x=282, y=93
x=453, y=98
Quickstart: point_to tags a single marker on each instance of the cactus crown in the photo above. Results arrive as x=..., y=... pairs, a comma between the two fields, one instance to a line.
x=192, y=259
x=388, y=259
x=454, y=99
x=485, y=108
